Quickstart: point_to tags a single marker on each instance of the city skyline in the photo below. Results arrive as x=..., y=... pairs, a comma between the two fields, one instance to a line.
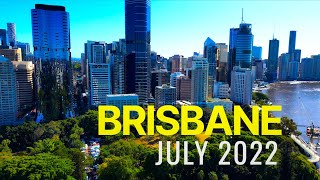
x=172, y=30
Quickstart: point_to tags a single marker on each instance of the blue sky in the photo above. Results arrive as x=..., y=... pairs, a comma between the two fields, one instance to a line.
x=180, y=26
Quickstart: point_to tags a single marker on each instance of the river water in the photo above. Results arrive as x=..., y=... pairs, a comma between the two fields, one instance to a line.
x=300, y=101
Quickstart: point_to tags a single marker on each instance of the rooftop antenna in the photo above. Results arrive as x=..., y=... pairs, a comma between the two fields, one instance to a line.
x=242, y=21
x=274, y=29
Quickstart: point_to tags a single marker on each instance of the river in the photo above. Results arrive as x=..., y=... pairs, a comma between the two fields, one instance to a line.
x=300, y=101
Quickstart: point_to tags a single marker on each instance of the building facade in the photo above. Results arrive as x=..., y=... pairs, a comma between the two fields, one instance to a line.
x=51, y=46
x=3, y=38
x=222, y=62
x=137, y=31
x=257, y=52
x=24, y=71
x=100, y=83
x=292, y=45
x=119, y=54
x=272, y=65
x=98, y=72
x=8, y=95
x=283, y=66
x=221, y=90
x=173, y=78
x=241, y=86
x=120, y=100
x=25, y=50
x=11, y=30
x=184, y=88
x=199, y=80
x=165, y=95
x=13, y=54
x=210, y=52
x=244, y=46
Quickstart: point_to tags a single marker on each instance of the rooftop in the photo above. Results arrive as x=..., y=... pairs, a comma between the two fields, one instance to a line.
x=3, y=59
x=209, y=42
x=50, y=7
x=121, y=95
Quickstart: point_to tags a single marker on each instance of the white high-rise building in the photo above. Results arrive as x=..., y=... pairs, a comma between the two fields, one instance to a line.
x=98, y=72
x=241, y=85
x=165, y=95
x=100, y=83
x=199, y=80
x=8, y=95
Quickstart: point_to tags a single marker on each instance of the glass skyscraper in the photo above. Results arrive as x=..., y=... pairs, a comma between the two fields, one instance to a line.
x=3, y=38
x=244, y=46
x=137, y=29
x=292, y=45
x=51, y=43
x=232, y=52
x=240, y=48
x=209, y=52
x=11, y=29
x=272, y=60
x=292, y=41
x=8, y=95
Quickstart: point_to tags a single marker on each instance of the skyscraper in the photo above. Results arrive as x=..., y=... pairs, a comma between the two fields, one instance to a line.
x=232, y=52
x=98, y=72
x=51, y=44
x=307, y=69
x=119, y=53
x=241, y=85
x=222, y=62
x=292, y=44
x=11, y=29
x=240, y=48
x=257, y=52
x=100, y=83
x=8, y=95
x=137, y=30
x=244, y=46
x=297, y=55
x=176, y=61
x=184, y=88
x=283, y=65
x=24, y=71
x=210, y=52
x=272, y=60
x=199, y=80
x=293, y=70
x=3, y=38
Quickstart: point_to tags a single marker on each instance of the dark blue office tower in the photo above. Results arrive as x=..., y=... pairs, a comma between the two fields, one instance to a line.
x=3, y=38
x=272, y=60
x=137, y=22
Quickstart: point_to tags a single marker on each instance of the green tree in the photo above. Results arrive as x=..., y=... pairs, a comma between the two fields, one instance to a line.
x=120, y=168
x=40, y=166
x=89, y=123
x=213, y=176
x=200, y=175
